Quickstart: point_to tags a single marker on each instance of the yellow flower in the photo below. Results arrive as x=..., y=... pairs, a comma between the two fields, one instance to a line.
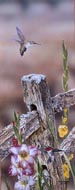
x=62, y=130
x=70, y=157
x=66, y=171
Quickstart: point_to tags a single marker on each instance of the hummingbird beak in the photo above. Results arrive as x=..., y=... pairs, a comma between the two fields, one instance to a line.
x=57, y=150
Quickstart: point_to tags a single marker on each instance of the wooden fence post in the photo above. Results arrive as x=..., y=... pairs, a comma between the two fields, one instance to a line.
x=37, y=98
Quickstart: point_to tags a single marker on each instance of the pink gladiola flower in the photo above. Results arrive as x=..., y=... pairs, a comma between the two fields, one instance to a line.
x=15, y=168
x=24, y=154
x=24, y=183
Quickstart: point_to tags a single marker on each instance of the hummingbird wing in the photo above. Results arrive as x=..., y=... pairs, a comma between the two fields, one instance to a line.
x=20, y=35
x=19, y=41
x=32, y=43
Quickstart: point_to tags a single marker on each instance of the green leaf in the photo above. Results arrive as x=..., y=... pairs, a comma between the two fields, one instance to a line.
x=20, y=139
x=39, y=175
x=16, y=131
x=65, y=52
x=15, y=116
x=73, y=168
x=17, y=119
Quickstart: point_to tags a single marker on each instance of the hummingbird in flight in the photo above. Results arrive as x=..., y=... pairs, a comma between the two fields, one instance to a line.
x=24, y=43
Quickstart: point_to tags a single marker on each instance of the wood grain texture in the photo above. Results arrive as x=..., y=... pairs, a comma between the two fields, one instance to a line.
x=62, y=100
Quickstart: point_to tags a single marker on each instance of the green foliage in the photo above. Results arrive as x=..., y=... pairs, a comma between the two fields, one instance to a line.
x=65, y=67
x=16, y=127
x=66, y=110
x=40, y=176
x=65, y=77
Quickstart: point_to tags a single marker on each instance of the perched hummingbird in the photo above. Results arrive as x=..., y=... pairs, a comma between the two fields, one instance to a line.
x=24, y=44
x=50, y=151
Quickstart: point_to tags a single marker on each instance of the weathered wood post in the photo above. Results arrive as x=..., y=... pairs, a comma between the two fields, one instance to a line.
x=37, y=98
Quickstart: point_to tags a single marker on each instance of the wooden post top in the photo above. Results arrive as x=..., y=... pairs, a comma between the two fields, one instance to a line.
x=37, y=95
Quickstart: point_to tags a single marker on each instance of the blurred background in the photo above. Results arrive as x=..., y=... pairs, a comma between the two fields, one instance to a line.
x=48, y=22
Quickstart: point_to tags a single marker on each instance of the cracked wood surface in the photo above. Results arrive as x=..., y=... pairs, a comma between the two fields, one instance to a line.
x=68, y=143
x=62, y=100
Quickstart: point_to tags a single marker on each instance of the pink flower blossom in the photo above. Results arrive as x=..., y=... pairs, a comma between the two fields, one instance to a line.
x=24, y=154
x=15, y=150
x=29, y=170
x=24, y=183
x=15, y=168
x=33, y=151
